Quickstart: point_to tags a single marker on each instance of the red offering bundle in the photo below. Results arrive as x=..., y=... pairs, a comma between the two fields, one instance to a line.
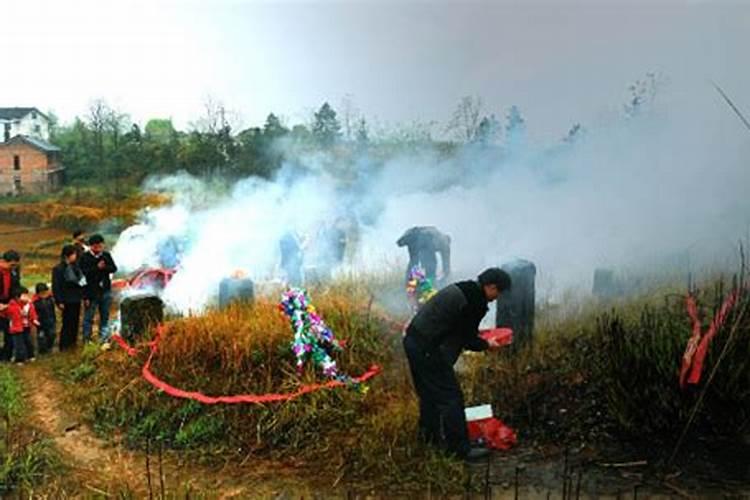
x=503, y=336
x=487, y=430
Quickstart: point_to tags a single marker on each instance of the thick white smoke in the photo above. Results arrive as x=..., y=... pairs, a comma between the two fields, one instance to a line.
x=636, y=188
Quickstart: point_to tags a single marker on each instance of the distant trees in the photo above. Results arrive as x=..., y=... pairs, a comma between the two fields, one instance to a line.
x=470, y=125
x=104, y=146
x=94, y=147
x=326, y=128
x=363, y=132
x=273, y=128
x=488, y=130
x=160, y=130
x=515, y=127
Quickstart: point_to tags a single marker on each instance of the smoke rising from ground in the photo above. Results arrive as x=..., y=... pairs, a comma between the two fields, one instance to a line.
x=662, y=183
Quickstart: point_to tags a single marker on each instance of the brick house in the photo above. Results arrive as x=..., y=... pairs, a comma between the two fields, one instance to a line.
x=29, y=166
x=28, y=162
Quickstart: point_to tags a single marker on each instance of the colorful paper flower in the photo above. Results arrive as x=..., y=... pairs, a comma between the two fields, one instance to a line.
x=419, y=288
x=313, y=339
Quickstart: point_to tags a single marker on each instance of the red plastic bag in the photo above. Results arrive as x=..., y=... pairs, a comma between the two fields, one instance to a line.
x=492, y=433
x=503, y=336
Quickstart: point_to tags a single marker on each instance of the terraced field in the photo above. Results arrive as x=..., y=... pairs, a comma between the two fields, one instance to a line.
x=39, y=248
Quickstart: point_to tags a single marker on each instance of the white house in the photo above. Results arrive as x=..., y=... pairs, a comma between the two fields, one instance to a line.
x=29, y=122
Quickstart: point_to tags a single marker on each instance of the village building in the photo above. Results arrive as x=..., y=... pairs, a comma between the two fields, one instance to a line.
x=29, y=164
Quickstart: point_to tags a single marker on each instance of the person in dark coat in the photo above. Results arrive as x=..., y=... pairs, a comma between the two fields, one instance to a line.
x=44, y=304
x=10, y=279
x=446, y=325
x=424, y=243
x=79, y=241
x=67, y=288
x=98, y=266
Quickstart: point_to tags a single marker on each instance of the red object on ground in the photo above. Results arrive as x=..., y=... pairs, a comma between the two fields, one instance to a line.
x=119, y=284
x=155, y=381
x=697, y=347
x=147, y=278
x=503, y=336
x=152, y=278
x=493, y=433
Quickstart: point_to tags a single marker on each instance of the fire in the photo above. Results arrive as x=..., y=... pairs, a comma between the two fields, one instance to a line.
x=238, y=274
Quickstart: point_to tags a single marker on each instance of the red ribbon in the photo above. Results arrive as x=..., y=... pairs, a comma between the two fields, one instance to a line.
x=697, y=347
x=173, y=391
x=132, y=351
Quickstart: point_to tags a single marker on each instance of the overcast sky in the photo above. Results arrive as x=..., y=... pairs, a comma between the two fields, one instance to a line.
x=559, y=61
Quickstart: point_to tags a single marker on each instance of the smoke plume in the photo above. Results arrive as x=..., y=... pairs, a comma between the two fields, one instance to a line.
x=660, y=182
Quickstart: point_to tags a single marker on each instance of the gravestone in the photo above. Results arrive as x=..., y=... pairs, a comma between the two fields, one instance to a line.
x=139, y=314
x=515, y=308
x=605, y=284
x=235, y=290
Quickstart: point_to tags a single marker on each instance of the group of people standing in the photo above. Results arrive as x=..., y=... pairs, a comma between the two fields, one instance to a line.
x=81, y=283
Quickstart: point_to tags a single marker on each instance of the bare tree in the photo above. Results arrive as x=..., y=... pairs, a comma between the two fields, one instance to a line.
x=98, y=116
x=217, y=117
x=464, y=125
x=107, y=126
x=350, y=116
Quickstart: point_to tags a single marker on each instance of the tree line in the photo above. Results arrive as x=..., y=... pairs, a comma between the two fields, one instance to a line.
x=105, y=147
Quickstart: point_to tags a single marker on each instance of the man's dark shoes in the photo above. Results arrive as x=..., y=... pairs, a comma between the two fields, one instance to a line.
x=477, y=454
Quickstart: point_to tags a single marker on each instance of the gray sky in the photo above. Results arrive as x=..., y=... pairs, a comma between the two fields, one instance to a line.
x=559, y=61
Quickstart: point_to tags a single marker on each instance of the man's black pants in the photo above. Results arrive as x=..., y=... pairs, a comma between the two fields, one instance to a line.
x=441, y=403
x=71, y=320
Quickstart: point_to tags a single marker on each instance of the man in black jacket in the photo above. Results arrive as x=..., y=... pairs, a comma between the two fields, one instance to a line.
x=445, y=326
x=424, y=243
x=98, y=266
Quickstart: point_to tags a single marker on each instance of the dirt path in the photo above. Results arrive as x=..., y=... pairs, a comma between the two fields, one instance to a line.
x=98, y=467
x=93, y=461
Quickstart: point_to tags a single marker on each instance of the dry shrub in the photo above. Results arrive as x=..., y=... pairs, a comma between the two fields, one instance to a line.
x=639, y=359
x=250, y=346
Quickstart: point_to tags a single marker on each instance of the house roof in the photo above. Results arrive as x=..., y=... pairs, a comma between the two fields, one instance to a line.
x=17, y=113
x=33, y=142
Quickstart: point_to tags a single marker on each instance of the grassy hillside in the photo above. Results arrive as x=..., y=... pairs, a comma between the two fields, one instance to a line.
x=599, y=380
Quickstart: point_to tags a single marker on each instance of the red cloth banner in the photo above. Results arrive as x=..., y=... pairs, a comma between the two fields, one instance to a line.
x=697, y=347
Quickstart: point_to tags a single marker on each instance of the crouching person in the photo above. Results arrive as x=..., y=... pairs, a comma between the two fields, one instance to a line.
x=44, y=304
x=435, y=338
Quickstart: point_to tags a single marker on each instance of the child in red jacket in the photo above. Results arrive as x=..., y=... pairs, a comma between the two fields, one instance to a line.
x=22, y=316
